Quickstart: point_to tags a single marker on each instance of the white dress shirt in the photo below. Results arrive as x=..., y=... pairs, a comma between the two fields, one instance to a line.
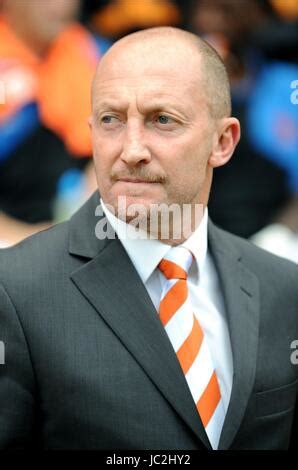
x=203, y=284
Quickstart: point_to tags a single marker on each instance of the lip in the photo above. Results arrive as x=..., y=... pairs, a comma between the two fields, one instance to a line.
x=135, y=180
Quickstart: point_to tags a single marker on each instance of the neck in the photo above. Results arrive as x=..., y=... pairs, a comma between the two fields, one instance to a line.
x=180, y=225
x=171, y=225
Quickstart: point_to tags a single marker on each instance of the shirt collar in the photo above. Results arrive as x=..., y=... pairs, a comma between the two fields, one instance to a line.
x=146, y=253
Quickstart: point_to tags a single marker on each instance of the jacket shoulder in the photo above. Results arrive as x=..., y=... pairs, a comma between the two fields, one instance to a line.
x=257, y=259
x=44, y=249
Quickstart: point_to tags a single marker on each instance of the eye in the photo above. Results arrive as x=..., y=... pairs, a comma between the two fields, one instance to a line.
x=164, y=119
x=110, y=122
x=109, y=119
x=163, y=122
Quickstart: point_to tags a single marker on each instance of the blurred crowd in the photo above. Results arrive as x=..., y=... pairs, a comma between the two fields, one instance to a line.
x=48, y=54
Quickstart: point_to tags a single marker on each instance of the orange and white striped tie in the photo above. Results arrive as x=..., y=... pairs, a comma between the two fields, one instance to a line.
x=189, y=342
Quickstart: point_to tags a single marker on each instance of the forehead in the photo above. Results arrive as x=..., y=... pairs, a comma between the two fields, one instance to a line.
x=148, y=94
x=148, y=72
x=151, y=57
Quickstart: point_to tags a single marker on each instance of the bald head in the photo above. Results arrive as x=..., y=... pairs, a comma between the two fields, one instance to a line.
x=190, y=57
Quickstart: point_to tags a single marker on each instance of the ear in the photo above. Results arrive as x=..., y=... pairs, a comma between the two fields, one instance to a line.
x=90, y=121
x=227, y=137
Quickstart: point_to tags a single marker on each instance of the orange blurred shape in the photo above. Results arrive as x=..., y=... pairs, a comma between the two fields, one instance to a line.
x=288, y=9
x=65, y=83
x=122, y=16
x=59, y=82
x=18, y=70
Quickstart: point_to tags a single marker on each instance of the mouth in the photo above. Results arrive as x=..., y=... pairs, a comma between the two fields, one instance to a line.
x=136, y=181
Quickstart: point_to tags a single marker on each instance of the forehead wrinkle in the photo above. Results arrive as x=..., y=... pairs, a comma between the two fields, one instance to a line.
x=164, y=77
x=160, y=93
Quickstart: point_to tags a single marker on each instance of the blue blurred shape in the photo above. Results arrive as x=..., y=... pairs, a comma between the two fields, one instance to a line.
x=15, y=130
x=273, y=118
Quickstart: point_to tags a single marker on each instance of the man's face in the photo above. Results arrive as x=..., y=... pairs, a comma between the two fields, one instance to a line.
x=151, y=128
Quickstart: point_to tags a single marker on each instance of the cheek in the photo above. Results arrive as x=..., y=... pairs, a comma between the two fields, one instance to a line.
x=186, y=157
x=187, y=167
x=104, y=153
x=102, y=164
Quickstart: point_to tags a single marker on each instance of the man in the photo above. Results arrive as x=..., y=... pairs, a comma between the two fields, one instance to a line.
x=169, y=341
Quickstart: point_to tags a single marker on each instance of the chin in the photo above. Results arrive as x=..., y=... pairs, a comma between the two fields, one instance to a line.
x=133, y=206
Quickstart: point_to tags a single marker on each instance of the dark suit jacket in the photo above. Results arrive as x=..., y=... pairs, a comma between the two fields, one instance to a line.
x=88, y=364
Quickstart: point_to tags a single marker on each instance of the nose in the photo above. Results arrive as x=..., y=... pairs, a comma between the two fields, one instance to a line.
x=135, y=150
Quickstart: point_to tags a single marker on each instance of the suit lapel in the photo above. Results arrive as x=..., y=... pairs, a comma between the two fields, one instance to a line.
x=110, y=283
x=241, y=294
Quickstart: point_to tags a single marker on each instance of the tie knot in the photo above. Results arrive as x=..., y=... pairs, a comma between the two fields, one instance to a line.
x=176, y=263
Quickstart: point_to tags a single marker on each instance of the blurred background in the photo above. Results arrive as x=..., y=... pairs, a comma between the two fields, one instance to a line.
x=48, y=54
